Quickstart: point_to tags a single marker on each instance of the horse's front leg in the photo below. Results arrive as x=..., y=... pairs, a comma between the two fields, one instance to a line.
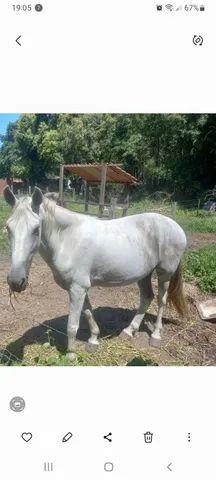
x=76, y=297
x=94, y=330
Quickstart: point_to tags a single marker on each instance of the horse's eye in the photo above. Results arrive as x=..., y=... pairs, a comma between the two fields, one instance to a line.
x=36, y=231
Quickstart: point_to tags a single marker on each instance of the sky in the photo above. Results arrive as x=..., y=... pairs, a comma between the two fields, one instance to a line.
x=5, y=118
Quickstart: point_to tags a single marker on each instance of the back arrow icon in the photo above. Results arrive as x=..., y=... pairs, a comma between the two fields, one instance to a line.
x=17, y=40
x=169, y=467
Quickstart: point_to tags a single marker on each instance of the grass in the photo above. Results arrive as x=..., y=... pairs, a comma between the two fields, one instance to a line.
x=196, y=220
x=79, y=208
x=111, y=352
x=146, y=205
x=200, y=267
x=4, y=214
x=191, y=220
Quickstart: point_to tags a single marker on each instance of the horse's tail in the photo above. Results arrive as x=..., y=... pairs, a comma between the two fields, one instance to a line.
x=175, y=293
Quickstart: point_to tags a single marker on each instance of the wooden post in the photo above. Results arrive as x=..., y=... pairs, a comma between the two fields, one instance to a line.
x=174, y=207
x=74, y=194
x=86, y=195
x=61, y=186
x=113, y=203
x=125, y=207
x=102, y=190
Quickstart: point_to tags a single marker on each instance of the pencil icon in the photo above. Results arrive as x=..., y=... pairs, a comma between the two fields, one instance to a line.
x=67, y=437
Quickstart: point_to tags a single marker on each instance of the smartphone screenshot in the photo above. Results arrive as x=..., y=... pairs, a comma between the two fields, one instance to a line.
x=107, y=240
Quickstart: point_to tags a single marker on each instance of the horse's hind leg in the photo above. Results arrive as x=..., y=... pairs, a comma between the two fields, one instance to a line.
x=146, y=296
x=94, y=330
x=163, y=285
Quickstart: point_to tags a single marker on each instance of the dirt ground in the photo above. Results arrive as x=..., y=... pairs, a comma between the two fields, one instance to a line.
x=41, y=312
x=198, y=240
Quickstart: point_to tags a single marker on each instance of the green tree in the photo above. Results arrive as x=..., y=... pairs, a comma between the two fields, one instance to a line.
x=172, y=152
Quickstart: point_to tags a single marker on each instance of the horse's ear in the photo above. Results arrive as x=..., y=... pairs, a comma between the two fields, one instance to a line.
x=37, y=199
x=9, y=196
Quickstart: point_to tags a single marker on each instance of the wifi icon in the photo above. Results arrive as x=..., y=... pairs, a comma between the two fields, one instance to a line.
x=169, y=7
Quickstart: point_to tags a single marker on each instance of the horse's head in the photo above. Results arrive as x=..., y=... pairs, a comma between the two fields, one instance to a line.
x=24, y=232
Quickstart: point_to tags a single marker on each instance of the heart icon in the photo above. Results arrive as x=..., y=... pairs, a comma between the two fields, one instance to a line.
x=26, y=436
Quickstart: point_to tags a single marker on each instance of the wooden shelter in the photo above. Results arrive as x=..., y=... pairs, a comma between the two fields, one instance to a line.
x=96, y=174
x=14, y=183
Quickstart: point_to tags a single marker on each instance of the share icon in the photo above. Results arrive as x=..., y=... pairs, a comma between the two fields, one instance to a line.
x=107, y=437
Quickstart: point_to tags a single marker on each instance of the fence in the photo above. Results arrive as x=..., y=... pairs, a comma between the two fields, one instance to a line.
x=189, y=214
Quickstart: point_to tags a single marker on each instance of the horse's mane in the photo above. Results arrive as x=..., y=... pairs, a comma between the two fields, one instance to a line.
x=62, y=217
x=49, y=206
x=56, y=215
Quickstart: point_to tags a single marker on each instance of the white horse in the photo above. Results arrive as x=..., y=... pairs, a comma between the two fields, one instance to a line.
x=83, y=251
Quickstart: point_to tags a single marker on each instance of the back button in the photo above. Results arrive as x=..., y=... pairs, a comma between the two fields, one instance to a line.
x=18, y=40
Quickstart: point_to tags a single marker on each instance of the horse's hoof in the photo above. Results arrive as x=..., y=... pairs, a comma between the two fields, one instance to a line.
x=93, y=341
x=92, y=347
x=155, y=342
x=71, y=356
x=126, y=333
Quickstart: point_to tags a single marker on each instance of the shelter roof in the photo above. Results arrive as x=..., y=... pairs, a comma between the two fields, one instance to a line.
x=92, y=173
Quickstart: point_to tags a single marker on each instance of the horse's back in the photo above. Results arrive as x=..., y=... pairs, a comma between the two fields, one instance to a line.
x=167, y=236
x=152, y=225
x=132, y=247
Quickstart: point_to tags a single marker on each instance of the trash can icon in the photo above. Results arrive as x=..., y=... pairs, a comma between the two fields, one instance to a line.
x=148, y=437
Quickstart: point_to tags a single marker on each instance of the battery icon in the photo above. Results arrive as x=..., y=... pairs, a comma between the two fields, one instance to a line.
x=202, y=8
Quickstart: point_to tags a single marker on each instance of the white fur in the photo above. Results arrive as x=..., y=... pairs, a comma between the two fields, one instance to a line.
x=83, y=251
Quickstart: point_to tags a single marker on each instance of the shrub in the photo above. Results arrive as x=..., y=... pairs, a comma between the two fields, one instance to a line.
x=200, y=267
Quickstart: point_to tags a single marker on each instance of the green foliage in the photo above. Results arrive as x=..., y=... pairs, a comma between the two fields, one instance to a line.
x=113, y=352
x=196, y=221
x=4, y=214
x=30, y=148
x=200, y=267
x=165, y=151
x=141, y=362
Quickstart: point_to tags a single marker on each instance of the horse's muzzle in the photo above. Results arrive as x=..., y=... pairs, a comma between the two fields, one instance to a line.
x=17, y=285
